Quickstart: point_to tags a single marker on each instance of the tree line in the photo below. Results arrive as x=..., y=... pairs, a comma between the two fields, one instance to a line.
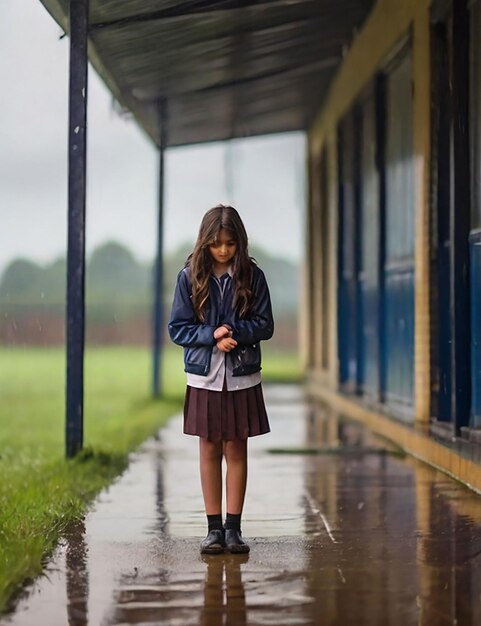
x=118, y=284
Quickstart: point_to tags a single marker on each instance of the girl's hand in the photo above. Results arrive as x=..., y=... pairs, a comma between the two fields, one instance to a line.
x=226, y=344
x=221, y=332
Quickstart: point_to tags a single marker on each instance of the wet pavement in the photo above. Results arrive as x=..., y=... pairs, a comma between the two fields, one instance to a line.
x=343, y=532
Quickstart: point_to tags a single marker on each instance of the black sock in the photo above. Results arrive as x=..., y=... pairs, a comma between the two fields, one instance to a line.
x=233, y=521
x=215, y=522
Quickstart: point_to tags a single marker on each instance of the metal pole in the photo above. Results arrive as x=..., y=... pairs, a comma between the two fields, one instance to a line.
x=76, y=224
x=158, y=313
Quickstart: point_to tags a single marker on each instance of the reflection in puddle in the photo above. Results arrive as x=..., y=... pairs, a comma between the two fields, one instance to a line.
x=224, y=593
x=76, y=575
x=219, y=599
x=408, y=538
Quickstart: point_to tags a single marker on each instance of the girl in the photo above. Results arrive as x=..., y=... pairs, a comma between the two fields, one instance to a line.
x=221, y=311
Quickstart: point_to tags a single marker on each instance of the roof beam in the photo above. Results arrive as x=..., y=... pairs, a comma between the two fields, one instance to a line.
x=207, y=8
x=288, y=72
x=189, y=9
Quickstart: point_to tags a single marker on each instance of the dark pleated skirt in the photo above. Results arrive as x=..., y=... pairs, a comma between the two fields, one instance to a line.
x=225, y=415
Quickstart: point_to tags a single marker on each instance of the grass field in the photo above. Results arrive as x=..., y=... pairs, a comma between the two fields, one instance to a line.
x=41, y=492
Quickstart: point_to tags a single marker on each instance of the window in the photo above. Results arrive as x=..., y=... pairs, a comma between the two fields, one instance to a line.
x=399, y=162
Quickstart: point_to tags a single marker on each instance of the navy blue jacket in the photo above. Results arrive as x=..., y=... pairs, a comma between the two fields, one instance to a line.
x=198, y=338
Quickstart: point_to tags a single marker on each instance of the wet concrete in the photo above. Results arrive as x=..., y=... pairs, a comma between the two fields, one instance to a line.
x=350, y=534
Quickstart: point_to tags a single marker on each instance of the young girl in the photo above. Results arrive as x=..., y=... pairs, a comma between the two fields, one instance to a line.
x=221, y=311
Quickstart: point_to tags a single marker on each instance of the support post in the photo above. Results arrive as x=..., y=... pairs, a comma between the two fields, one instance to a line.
x=75, y=322
x=158, y=312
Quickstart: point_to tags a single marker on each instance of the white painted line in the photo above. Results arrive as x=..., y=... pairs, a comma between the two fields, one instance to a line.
x=315, y=509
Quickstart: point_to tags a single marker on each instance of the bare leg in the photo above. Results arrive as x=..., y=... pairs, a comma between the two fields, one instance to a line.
x=210, y=457
x=236, y=479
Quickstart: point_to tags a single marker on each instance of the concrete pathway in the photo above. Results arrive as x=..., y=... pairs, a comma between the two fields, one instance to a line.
x=353, y=534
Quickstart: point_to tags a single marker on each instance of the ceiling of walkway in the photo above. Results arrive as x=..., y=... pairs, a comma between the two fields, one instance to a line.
x=226, y=69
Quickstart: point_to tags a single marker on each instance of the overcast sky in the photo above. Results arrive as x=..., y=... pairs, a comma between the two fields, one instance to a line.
x=267, y=185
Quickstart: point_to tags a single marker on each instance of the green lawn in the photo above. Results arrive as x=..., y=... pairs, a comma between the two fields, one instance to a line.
x=40, y=492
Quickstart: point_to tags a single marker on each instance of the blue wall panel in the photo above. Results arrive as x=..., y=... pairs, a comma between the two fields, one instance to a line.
x=348, y=314
x=348, y=283
x=369, y=370
x=399, y=337
x=475, y=225
x=368, y=277
x=398, y=265
x=475, y=263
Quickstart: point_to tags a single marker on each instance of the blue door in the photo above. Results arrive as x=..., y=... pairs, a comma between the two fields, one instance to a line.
x=475, y=223
x=348, y=318
x=441, y=225
x=368, y=374
x=450, y=288
x=398, y=263
x=475, y=262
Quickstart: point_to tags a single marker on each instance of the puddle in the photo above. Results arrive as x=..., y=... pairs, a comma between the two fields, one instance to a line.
x=356, y=536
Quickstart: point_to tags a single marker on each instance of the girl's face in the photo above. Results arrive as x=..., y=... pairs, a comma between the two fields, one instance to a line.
x=223, y=249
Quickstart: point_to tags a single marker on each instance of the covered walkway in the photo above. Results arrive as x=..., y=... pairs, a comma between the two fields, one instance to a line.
x=351, y=533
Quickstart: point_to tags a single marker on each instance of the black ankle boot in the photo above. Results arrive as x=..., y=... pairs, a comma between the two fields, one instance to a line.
x=234, y=542
x=214, y=543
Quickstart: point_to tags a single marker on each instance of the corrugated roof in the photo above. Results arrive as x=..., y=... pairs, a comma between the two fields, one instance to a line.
x=227, y=69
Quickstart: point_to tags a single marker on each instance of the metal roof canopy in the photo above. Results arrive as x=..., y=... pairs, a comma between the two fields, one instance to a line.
x=227, y=69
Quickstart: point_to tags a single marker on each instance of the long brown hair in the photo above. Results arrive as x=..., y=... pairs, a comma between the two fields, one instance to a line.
x=200, y=261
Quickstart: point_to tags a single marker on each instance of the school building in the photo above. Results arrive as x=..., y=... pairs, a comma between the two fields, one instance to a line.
x=389, y=94
x=393, y=274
